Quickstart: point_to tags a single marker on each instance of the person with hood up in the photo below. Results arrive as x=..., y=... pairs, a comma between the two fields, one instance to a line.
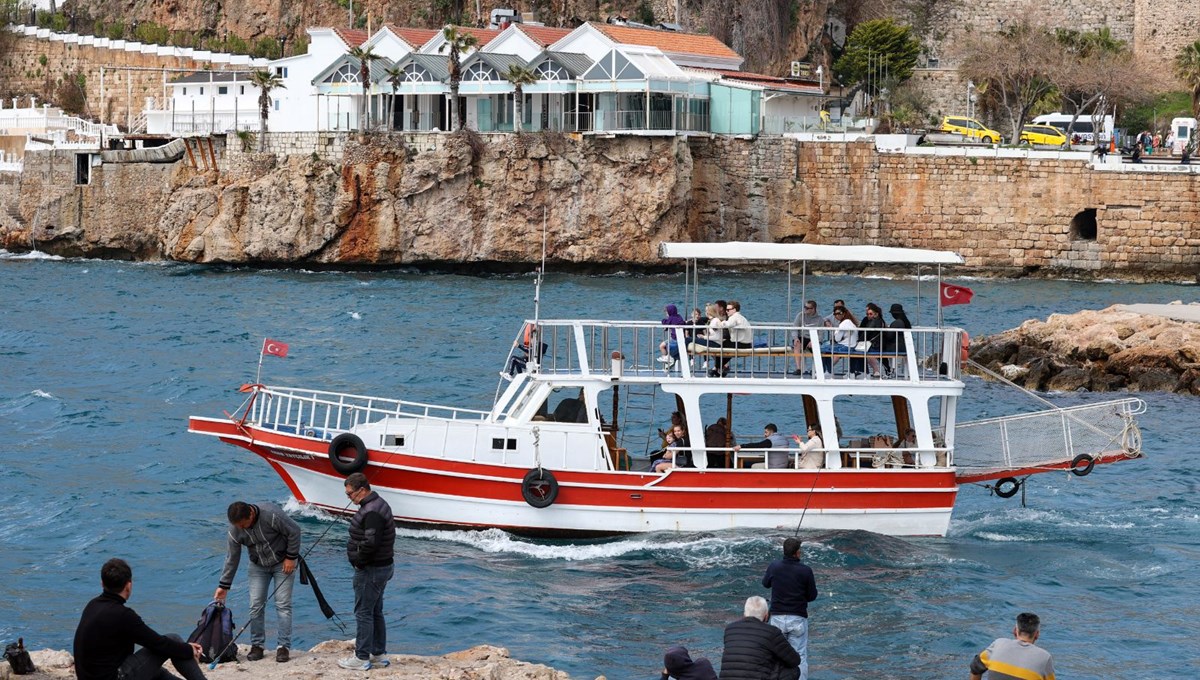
x=669, y=348
x=678, y=664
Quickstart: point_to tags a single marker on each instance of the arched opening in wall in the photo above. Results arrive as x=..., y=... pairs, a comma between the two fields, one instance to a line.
x=1083, y=225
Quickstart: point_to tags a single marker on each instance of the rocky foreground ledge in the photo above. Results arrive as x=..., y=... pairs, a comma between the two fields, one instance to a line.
x=1140, y=348
x=478, y=663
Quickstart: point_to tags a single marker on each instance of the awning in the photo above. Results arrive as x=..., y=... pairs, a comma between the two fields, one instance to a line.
x=797, y=252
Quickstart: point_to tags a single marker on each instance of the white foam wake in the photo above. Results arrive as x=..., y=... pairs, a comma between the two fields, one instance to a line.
x=31, y=255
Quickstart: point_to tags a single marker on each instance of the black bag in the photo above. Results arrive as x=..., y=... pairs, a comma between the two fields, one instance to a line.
x=214, y=633
x=18, y=658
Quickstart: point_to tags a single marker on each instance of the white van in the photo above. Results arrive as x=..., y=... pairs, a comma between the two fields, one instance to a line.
x=1082, y=129
x=1183, y=129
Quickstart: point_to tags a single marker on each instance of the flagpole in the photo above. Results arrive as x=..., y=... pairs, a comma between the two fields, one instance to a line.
x=940, y=296
x=258, y=374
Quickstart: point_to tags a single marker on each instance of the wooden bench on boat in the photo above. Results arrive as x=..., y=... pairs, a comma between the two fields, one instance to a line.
x=782, y=351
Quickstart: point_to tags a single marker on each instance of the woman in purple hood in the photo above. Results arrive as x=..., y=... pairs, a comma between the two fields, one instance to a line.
x=678, y=664
x=668, y=348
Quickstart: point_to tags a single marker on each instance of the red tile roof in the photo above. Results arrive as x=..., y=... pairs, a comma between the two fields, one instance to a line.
x=352, y=36
x=544, y=35
x=415, y=37
x=670, y=42
x=483, y=35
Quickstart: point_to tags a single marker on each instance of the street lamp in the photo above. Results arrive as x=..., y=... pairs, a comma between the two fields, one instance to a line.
x=282, y=40
x=970, y=99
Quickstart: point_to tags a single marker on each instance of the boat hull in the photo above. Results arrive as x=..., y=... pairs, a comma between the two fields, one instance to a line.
x=430, y=491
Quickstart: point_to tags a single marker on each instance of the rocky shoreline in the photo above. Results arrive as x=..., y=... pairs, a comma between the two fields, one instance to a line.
x=483, y=662
x=1118, y=348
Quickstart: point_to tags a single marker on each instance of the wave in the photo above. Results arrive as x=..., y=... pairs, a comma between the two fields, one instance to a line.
x=31, y=255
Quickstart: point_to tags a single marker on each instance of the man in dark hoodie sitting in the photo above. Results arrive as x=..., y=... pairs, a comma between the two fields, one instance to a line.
x=756, y=650
x=108, y=630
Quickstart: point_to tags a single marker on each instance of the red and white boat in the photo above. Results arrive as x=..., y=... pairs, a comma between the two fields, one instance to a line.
x=549, y=457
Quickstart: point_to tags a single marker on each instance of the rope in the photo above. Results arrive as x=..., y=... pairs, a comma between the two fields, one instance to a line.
x=537, y=449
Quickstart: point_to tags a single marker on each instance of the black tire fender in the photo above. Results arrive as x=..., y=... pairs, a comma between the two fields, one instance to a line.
x=1086, y=469
x=343, y=465
x=1007, y=487
x=539, y=488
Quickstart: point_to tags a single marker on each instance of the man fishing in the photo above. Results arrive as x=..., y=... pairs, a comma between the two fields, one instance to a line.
x=273, y=541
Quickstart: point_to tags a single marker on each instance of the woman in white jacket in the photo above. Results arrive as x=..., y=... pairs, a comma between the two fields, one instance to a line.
x=844, y=337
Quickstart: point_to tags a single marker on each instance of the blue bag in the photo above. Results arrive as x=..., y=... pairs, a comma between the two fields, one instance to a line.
x=214, y=633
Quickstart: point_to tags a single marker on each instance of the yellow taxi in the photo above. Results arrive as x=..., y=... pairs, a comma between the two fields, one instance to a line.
x=1043, y=134
x=969, y=128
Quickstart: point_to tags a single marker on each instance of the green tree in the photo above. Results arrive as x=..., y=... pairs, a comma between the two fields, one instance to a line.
x=1015, y=67
x=519, y=76
x=395, y=75
x=457, y=42
x=1187, y=68
x=364, y=55
x=879, y=53
x=265, y=81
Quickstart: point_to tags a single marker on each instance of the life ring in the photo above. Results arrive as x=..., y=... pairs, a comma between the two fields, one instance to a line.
x=1086, y=469
x=539, y=488
x=1007, y=487
x=339, y=444
x=966, y=345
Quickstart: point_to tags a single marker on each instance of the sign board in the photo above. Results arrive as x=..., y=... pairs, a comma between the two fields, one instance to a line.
x=802, y=69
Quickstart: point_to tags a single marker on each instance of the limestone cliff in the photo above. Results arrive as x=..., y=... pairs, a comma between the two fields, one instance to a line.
x=386, y=203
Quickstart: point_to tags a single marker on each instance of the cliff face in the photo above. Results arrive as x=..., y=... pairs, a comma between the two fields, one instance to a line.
x=458, y=200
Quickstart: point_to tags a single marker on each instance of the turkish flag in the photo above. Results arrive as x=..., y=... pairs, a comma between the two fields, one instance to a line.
x=274, y=347
x=956, y=295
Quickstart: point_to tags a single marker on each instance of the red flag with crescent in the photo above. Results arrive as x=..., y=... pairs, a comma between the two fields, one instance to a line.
x=274, y=347
x=955, y=295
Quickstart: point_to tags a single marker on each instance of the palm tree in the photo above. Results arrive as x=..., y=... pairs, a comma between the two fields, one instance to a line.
x=265, y=81
x=519, y=76
x=1187, y=68
x=364, y=56
x=395, y=75
x=457, y=42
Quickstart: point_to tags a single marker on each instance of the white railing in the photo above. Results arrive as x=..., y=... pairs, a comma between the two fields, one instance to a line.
x=852, y=456
x=314, y=413
x=778, y=351
x=1028, y=440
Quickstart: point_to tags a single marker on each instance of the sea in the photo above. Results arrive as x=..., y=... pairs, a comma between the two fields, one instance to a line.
x=102, y=362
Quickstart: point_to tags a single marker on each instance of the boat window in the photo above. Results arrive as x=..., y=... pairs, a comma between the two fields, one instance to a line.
x=393, y=440
x=565, y=404
x=735, y=419
x=501, y=444
x=863, y=420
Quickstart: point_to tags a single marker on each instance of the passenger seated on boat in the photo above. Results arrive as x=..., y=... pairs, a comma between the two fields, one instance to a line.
x=845, y=337
x=908, y=442
x=812, y=454
x=741, y=336
x=777, y=458
x=570, y=410
x=668, y=349
x=716, y=440
x=519, y=357
x=673, y=454
x=893, y=340
x=873, y=339
x=807, y=318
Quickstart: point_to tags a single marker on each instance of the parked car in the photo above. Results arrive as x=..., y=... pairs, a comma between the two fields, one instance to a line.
x=969, y=128
x=1043, y=135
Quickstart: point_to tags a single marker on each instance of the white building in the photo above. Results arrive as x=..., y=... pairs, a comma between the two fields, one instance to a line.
x=207, y=102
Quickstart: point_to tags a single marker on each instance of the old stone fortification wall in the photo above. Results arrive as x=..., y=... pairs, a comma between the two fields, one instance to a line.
x=609, y=203
x=126, y=85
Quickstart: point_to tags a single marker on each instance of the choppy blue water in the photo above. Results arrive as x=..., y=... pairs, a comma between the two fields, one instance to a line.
x=101, y=363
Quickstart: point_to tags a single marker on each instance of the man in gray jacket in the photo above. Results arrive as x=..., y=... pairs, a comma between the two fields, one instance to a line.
x=273, y=541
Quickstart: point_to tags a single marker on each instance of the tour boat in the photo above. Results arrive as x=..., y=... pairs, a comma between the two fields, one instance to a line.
x=551, y=455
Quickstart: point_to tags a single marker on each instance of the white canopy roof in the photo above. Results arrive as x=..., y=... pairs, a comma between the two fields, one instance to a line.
x=797, y=252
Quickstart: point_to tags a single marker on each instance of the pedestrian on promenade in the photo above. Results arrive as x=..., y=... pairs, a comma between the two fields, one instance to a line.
x=792, y=586
x=370, y=551
x=756, y=650
x=108, y=630
x=1015, y=657
x=272, y=540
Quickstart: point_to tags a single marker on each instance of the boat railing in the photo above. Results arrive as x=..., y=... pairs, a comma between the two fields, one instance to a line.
x=320, y=414
x=644, y=349
x=847, y=457
x=1027, y=440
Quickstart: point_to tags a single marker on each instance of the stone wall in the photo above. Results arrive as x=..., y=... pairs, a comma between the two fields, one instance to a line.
x=129, y=77
x=610, y=202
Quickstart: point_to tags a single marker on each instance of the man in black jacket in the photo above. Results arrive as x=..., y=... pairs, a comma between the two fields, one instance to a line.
x=792, y=587
x=756, y=650
x=108, y=630
x=370, y=550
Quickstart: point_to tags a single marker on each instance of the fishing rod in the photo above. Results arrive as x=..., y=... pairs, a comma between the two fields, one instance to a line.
x=807, y=501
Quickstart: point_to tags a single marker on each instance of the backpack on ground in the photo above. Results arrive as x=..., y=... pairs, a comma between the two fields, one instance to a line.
x=18, y=658
x=214, y=633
